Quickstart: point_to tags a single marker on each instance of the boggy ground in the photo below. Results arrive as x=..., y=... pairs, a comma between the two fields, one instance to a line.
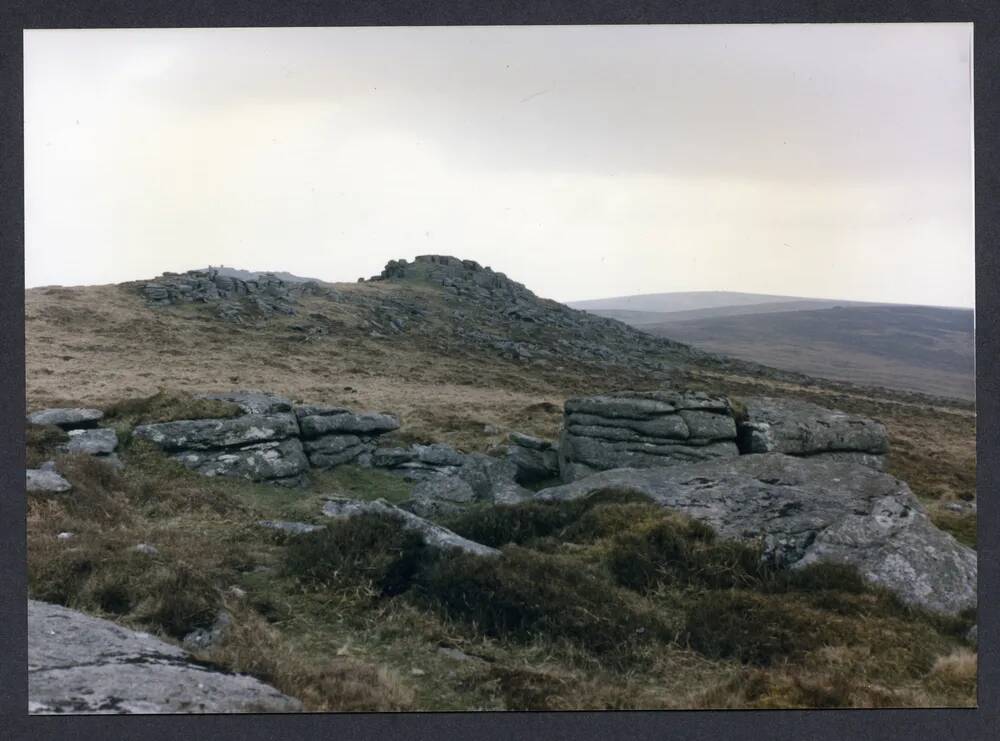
x=351, y=638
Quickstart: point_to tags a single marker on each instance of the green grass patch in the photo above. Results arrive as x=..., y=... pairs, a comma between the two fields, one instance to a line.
x=167, y=406
x=358, y=482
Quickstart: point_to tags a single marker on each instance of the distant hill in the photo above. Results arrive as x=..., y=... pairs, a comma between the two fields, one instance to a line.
x=918, y=348
x=696, y=301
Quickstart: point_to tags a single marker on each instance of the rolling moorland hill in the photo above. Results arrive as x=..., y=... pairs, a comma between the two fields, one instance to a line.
x=463, y=356
x=919, y=348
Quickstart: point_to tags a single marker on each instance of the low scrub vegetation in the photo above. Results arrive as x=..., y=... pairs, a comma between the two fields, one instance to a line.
x=607, y=602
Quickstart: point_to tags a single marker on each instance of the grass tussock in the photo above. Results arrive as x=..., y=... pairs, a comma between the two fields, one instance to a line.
x=167, y=406
x=368, y=551
x=339, y=683
x=41, y=443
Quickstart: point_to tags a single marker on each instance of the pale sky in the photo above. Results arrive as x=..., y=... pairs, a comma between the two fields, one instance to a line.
x=808, y=160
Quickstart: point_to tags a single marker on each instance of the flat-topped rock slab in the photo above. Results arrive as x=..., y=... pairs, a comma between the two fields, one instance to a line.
x=82, y=664
x=805, y=510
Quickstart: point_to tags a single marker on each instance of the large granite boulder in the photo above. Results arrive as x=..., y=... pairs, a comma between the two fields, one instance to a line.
x=805, y=510
x=536, y=459
x=434, y=535
x=800, y=428
x=648, y=429
x=67, y=419
x=346, y=423
x=418, y=462
x=82, y=664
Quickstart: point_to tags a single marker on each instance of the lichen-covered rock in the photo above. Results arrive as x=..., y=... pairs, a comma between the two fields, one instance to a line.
x=82, y=664
x=644, y=429
x=101, y=441
x=434, y=535
x=265, y=294
x=46, y=481
x=253, y=402
x=68, y=419
x=278, y=461
x=805, y=510
x=800, y=428
x=207, y=434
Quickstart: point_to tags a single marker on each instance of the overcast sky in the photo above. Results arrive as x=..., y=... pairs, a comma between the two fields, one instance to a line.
x=828, y=161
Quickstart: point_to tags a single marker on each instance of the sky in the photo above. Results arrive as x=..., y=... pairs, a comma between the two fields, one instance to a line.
x=832, y=161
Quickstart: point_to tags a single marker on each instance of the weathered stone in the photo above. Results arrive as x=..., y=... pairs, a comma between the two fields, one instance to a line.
x=669, y=425
x=332, y=443
x=603, y=454
x=434, y=535
x=68, y=419
x=294, y=528
x=800, y=428
x=645, y=404
x=435, y=455
x=146, y=549
x=281, y=461
x=48, y=482
x=440, y=496
x=206, y=434
x=318, y=410
x=364, y=423
x=253, y=402
x=806, y=510
x=101, y=441
x=81, y=664
x=535, y=459
x=202, y=639
x=709, y=425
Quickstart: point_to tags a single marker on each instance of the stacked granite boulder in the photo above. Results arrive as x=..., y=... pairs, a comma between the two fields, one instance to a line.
x=448, y=481
x=334, y=435
x=273, y=441
x=799, y=428
x=647, y=429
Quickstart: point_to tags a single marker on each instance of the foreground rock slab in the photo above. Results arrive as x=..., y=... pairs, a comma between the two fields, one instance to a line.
x=807, y=510
x=82, y=664
x=434, y=535
x=800, y=428
x=206, y=434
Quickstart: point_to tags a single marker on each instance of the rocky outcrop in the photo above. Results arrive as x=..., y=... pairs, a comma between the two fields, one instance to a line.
x=536, y=459
x=266, y=295
x=279, y=462
x=81, y=664
x=648, y=429
x=805, y=510
x=67, y=419
x=434, y=535
x=800, y=428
